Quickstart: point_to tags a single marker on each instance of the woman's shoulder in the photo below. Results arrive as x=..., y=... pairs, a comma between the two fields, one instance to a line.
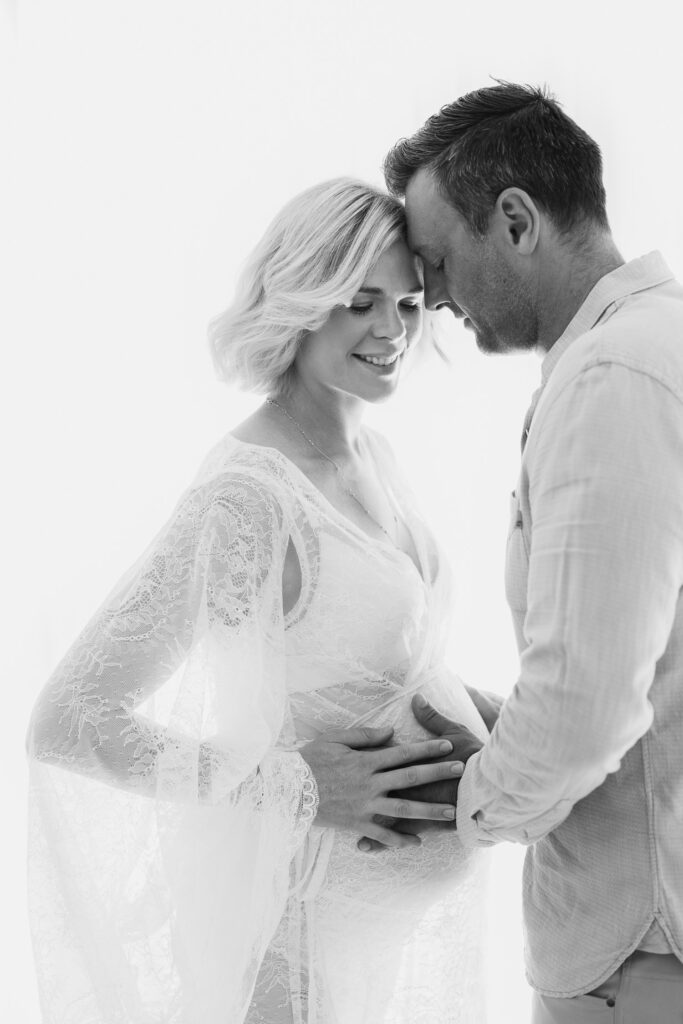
x=233, y=464
x=232, y=458
x=251, y=476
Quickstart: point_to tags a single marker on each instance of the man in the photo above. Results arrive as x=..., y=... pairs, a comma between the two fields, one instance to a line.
x=506, y=206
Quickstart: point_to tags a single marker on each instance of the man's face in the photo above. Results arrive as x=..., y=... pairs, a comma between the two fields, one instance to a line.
x=476, y=278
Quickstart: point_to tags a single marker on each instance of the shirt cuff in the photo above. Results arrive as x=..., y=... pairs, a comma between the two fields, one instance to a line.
x=469, y=833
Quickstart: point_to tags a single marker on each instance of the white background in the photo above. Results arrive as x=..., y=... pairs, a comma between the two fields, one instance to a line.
x=148, y=143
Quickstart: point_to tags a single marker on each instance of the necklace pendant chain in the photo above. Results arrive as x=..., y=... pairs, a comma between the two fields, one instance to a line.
x=345, y=487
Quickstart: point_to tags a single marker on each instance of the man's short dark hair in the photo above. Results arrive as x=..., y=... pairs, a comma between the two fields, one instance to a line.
x=499, y=137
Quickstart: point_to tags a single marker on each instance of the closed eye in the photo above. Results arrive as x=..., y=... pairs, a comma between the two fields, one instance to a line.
x=409, y=307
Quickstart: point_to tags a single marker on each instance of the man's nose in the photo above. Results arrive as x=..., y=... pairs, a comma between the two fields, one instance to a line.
x=436, y=294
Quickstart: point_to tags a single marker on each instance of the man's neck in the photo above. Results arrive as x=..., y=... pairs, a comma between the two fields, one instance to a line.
x=567, y=279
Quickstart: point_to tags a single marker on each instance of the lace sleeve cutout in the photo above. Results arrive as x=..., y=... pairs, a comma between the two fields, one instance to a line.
x=167, y=800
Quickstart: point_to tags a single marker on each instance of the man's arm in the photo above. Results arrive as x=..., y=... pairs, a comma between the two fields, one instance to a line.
x=605, y=574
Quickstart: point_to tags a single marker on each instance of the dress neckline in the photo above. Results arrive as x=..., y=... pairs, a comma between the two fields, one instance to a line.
x=348, y=522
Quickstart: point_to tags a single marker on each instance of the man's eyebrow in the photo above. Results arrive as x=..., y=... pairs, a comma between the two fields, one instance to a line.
x=425, y=252
x=415, y=290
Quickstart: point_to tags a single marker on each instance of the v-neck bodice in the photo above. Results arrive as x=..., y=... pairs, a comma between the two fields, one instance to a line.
x=368, y=614
x=364, y=536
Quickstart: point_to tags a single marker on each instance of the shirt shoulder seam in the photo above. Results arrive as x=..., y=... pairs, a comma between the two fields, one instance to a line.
x=617, y=359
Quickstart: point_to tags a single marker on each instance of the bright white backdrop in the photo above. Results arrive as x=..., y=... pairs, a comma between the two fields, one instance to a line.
x=150, y=141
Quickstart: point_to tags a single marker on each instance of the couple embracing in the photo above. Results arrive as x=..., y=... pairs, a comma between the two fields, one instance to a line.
x=258, y=793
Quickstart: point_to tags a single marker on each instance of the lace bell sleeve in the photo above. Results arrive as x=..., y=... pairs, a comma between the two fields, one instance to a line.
x=166, y=799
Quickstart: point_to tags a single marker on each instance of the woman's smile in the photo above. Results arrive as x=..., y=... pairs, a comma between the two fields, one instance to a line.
x=385, y=363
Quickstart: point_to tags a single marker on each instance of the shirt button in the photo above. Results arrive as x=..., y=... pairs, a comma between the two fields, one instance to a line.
x=611, y=1002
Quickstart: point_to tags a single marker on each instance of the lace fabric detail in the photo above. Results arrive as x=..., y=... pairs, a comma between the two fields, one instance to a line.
x=308, y=805
x=174, y=859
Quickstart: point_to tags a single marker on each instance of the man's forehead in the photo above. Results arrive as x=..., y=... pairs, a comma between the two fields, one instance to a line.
x=422, y=192
x=425, y=209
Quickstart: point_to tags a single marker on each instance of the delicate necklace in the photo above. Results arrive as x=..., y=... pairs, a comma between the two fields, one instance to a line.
x=345, y=487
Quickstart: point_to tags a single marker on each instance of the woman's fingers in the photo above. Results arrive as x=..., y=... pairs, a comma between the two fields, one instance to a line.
x=407, y=753
x=417, y=775
x=402, y=808
x=384, y=837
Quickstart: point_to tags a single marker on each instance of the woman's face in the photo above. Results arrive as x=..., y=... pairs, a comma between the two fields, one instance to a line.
x=361, y=348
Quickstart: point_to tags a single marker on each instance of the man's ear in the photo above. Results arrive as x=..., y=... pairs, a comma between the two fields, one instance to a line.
x=518, y=220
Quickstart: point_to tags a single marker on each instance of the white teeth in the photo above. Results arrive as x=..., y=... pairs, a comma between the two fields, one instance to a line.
x=380, y=360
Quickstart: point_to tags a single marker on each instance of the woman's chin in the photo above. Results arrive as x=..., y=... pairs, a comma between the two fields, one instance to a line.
x=381, y=389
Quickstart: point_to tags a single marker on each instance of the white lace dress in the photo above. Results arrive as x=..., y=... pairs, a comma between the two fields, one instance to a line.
x=175, y=874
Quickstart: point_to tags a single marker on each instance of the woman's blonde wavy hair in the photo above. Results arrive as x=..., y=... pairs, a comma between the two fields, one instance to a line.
x=314, y=256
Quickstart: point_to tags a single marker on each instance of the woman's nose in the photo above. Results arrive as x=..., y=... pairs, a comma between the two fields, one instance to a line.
x=390, y=325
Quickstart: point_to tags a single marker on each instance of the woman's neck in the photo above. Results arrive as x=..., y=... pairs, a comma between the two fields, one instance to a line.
x=329, y=419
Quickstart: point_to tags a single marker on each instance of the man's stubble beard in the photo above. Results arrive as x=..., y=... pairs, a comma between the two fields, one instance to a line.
x=518, y=330
x=496, y=347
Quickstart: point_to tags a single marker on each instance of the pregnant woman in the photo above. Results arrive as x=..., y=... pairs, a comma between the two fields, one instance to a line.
x=181, y=871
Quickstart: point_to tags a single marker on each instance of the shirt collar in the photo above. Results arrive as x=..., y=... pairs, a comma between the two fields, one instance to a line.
x=634, y=276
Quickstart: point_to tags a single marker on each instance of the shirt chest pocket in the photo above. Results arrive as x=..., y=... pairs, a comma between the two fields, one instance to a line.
x=516, y=559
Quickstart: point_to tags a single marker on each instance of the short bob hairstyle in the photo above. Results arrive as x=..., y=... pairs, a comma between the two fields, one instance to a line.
x=314, y=256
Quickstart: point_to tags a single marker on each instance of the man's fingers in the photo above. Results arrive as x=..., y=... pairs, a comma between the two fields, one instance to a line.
x=367, y=845
x=417, y=775
x=359, y=737
x=409, y=828
x=430, y=718
x=407, y=753
x=385, y=820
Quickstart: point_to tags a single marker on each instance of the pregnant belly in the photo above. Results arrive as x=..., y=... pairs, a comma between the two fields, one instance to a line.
x=417, y=875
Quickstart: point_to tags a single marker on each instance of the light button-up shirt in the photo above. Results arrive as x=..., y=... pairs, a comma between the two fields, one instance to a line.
x=585, y=764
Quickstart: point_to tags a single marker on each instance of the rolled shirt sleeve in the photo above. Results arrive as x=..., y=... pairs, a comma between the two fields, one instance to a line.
x=605, y=569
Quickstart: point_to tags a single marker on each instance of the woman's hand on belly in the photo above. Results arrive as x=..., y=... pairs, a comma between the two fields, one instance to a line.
x=356, y=771
x=464, y=744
